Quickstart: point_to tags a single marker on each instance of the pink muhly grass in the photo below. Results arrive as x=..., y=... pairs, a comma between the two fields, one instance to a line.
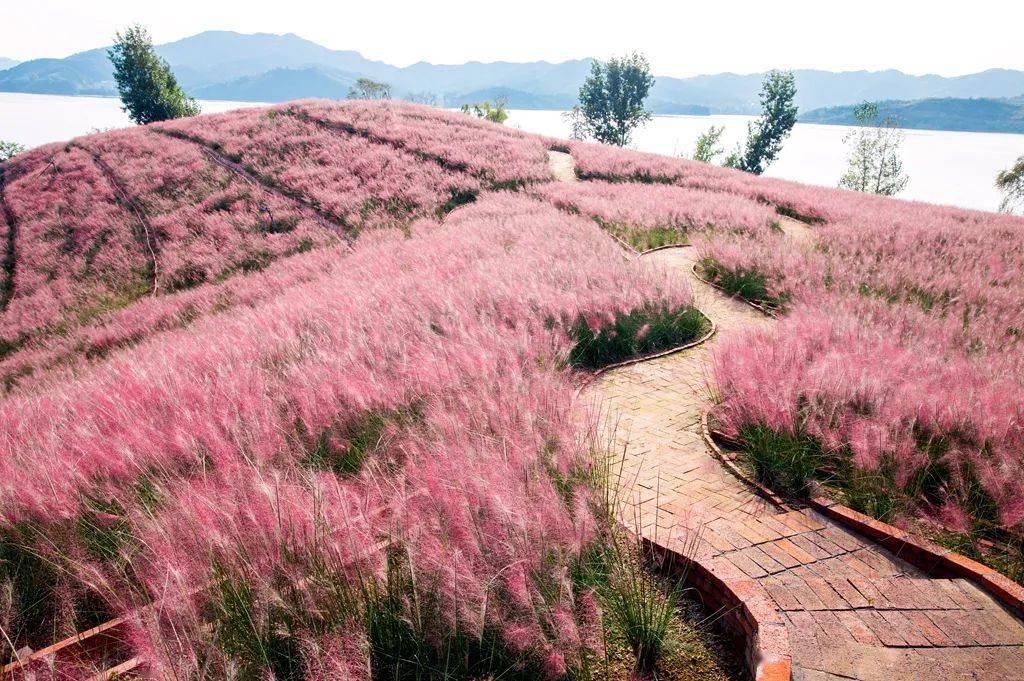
x=357, y=181
x=49, y=359
x=75, y=245
x=467, y=319
x=497, y=154
x=644, y=205
x=205, y=221
x=904, y=344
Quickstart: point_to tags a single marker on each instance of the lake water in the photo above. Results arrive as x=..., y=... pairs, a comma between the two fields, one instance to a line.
x=32, y=120
x=956, y=168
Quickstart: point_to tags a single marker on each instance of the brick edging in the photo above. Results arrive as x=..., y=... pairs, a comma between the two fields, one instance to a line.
x=742, y=603
x=918, y=551
x=928, y=556
x=99, y=636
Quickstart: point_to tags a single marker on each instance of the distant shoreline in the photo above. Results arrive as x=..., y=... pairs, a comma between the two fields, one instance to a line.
x=949, y=114
x=832, y=116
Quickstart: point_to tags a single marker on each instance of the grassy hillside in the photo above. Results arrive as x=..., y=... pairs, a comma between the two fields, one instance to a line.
x=305, y=377
x=316, y=361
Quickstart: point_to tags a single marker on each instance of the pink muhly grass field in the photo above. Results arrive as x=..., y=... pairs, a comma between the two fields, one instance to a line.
x=634, y=206
x=902, y=353
x=410, y=409
x=310, y=454
x=497, y=154
x=594, y=161
x=205, y=222
x=359, y=182
x=47, y=359
x=76, y=247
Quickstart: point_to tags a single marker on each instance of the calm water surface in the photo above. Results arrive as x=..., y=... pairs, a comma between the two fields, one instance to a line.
x=956, y=168
x=32, y=120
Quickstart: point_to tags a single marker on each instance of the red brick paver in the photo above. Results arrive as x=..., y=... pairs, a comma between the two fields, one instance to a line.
x=853, y=609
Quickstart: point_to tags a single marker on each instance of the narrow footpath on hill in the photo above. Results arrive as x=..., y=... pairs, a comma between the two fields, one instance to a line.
x=852, y=609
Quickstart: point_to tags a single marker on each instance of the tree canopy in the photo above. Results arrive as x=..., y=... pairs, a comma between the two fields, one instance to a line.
x=874, y=164
x=9, y=149
x=495, y=113
x=1011, y=183
x=612, y=98
x=367, y=88
x=707, y=148
x=766, y=135
x=148, y=89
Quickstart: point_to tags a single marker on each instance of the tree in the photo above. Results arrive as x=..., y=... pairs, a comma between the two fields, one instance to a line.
x=366, y=88
x=576, y=122
x=874, y=164
x=484, y=110
x=428, y=98
x=149, y=91
x=1011, y=183
x=9, y=149
x=612, y=98
x=765, y=136
x=707, y=149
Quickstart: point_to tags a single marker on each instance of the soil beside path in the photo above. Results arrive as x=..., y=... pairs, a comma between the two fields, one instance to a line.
x=852, y=609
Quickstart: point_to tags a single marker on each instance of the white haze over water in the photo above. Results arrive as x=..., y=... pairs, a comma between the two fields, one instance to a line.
x=956, y=168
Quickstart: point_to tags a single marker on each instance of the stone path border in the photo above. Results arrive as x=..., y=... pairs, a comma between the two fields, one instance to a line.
x=930, y=557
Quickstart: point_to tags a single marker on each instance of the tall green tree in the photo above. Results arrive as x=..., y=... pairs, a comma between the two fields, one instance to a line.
x=874, y=164
x=1011, y=183
x=149, y=91
x=612, y=98
x=9, y=149
x=766, y=135
x=367, y=88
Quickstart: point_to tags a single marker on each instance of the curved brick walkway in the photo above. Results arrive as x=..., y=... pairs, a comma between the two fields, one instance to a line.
x=852, y=609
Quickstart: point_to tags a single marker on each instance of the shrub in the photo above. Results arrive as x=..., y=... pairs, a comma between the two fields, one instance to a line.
x=786, y=463
x=643, y=331
x=494, y=114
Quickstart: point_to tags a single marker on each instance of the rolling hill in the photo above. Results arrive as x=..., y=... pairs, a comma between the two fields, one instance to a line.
x=308, y=377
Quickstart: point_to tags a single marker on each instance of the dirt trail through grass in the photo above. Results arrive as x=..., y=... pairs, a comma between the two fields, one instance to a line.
x=562, y=166
x=852, y=609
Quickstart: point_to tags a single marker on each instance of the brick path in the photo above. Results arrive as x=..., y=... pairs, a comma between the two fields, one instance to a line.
x=852, y=609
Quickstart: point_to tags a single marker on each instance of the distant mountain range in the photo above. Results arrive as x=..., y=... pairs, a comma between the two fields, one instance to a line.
x=978, y=115
x=270, y=68
x=6, y=63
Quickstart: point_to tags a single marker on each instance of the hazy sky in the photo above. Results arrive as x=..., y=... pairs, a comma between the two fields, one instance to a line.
x=680, y=38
